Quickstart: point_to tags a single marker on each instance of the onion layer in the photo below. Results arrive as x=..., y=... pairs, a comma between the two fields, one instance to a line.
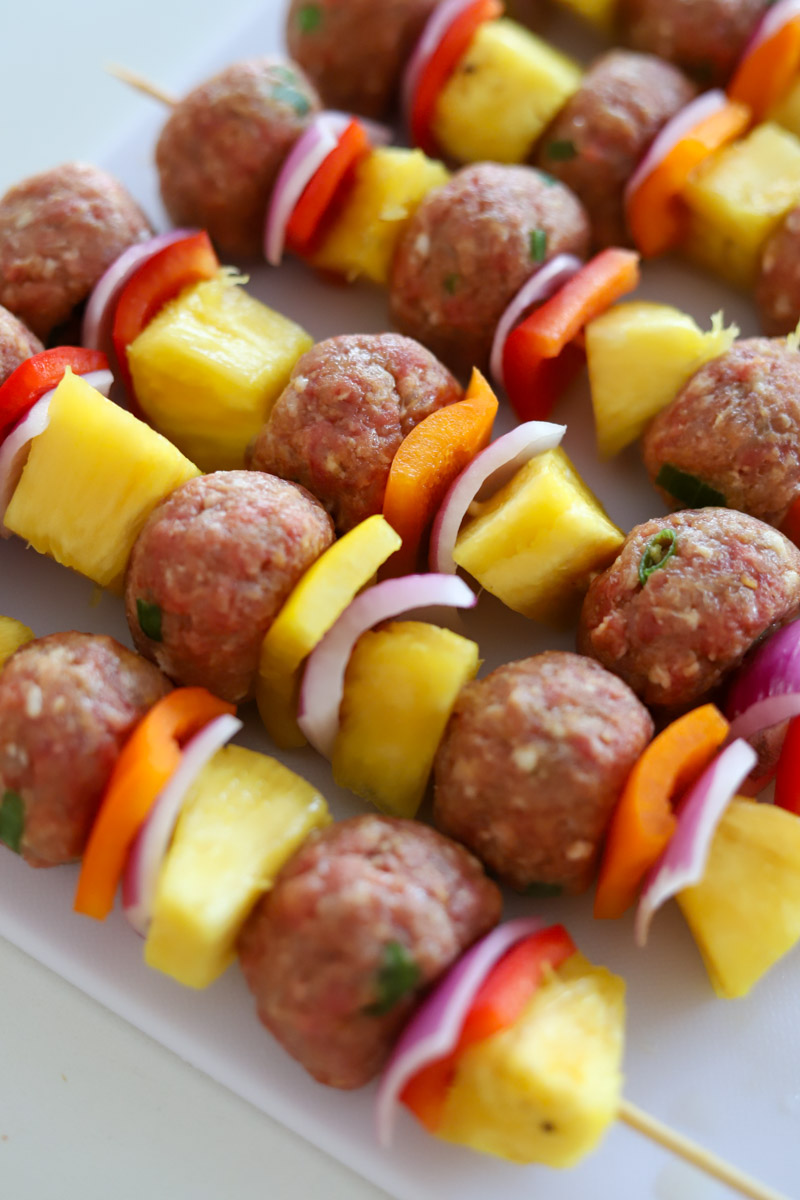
x=774, y=19
x=541, y=286
x=766, y=691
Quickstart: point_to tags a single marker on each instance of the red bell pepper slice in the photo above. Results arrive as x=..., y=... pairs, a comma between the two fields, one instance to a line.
x=441, y=65
x=499, y=1003
x=787, y=776
x=326, y=184
x=38, y=374
x=159, y=280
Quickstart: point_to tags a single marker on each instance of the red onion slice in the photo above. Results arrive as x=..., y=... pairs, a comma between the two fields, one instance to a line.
x=98, y=318
x=541, y=286
x=774, y=19
x=683, y=863
x=142, y=868
x=673, y=132
x=437, y=26
x=487, y=472
x=323, y=679
x=434, y=1030
x=766, y=690
x=15, y=448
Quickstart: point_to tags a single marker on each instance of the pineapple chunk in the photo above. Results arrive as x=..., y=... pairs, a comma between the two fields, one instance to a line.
x=737, y=197
x=600, y=13
x=536, y=543
x=503, y=94
x=209, y=367
x=745, y=914
x=388, y=187
x=91, y=480
x=243, y=818
x=787, y=111
x=400, y=688
x=319, y=599
x=13, y=634
x=545, y=1090
x=639, y=356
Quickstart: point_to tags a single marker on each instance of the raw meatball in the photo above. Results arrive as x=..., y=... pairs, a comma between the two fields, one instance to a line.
x=736, y=426
x=59, y=231
x=221, y=150
x=729, y=581
x=349, y=404
x=355, y=51
x=67, y=705
x=16, y=344
x=363, y=918
x=468, y=250
x=532, y=764
x=778, y=286
x=705, y=37
x=605, y=129
x=210, y=570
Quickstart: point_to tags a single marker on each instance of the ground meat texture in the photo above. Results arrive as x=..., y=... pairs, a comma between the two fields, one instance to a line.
x=730, y=581
x=221, y=150
x=68, y=703
x=705, y=37
x=355, y=51
x=736, y=427
x=350, y=402
x=363, y=918
x=778, y=286
x=210, y=570
x=59, y=231
x=531, y=767
x=605, y=129
x=468, y=250
x=16, y=343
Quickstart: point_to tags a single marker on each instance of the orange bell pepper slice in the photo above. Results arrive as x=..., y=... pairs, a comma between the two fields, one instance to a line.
x=765, y=75
x=540, y=356
x=656, y=214
x=146, y=763
x=427, y=462
x=499, y=1003
x=315, y=204
x=644, y=821
x=441, y=65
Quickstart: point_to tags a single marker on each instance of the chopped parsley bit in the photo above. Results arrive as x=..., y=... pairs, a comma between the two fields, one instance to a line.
x=657, y=553
x=547, y=178
x=450, y=284
x=12, y=820
x=691, y=491
x=397, y=977
x=538, y=245
x=289, y=95
x=562, y=150
x=309, y=18
x=149, y=616
x=543, y=890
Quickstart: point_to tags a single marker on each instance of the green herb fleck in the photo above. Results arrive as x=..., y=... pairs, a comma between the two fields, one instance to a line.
x=547, y=178
x=12, y=820
x=538, y=245
x=543, y=890
x=397, y=976
x=450, y=284
x=691, y=491
x=309, y=18
x=657, y=553
x=149, y=620
x=562, y=150
x=285, y=94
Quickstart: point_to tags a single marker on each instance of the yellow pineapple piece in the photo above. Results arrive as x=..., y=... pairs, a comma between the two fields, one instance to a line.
x=400, y=688
x=316, y=603
x=243, y=818
x=13, y=634
x=600, y=13
x=209, y=367
x=537, y=542
x=389, y=185
x=545, y=1090
x=91, y=480
x=639, y=356
x=787, y=111
x=737, y=197
x=745, y=914
x=502, y=95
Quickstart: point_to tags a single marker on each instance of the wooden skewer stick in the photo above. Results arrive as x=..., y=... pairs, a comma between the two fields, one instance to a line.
x=141, y=85
x=685, y=1148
